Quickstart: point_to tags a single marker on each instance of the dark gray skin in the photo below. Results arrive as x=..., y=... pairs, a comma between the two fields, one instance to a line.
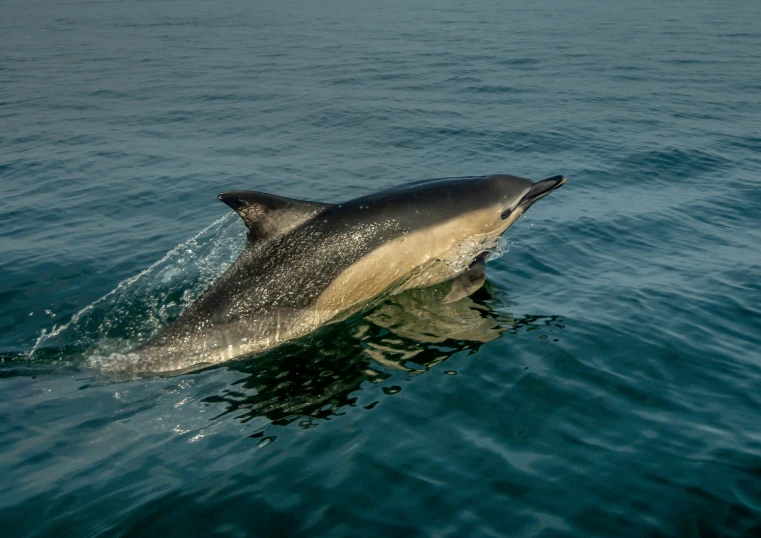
x=296, y=249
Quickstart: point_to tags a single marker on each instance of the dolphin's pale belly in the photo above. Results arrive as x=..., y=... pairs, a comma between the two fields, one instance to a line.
x=419, y=259
x=192, y=349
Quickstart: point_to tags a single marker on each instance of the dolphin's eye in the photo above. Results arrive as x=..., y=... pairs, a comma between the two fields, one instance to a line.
x=506, y=213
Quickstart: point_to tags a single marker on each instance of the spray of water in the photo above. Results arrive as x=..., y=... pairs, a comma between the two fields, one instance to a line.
x=140, y=305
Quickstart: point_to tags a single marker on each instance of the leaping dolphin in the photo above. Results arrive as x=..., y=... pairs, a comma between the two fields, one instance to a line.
x=309, y=263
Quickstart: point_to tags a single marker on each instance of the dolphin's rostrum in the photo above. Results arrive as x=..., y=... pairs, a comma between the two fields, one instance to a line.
x=309, y=263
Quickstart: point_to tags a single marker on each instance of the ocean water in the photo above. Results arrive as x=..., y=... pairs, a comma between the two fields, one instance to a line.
x=605, y=382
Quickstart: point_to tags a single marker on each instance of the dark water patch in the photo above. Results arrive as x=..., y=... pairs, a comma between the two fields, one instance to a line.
x=461, y=79
x=341, y=119
x=348, y=81
x=691, y=61
x=223, y=97
x=492, y=89
x=15, y=365
x=537, y=141
x=751, y=142
x=741, y=34
x=669, y=164
x=697, y=116
x=393, y=76
x=108, y=94
x=629, y=78
x=519, y=62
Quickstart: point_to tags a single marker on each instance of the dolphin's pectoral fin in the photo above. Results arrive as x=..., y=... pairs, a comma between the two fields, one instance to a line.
x=469, y=281
x=267, y=215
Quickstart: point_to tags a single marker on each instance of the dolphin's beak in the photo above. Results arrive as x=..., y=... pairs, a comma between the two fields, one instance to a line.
x=540, y=190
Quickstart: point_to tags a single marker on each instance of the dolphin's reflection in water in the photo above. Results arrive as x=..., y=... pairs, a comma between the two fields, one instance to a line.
x=408, y=334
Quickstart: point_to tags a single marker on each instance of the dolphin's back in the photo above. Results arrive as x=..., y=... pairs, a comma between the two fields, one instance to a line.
x=429, y=202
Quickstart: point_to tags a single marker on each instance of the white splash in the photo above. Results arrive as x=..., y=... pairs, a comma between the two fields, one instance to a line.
x=138, y=306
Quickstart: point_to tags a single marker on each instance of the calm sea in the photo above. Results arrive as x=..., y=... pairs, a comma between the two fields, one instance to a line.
x=605, y=382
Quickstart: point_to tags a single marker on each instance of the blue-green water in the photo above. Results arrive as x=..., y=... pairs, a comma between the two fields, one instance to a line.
x=606, y=381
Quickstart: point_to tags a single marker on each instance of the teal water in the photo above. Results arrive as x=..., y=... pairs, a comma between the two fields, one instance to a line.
x=605, y=382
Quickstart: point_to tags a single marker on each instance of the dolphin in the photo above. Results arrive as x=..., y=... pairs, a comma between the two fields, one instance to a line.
x=310, y=263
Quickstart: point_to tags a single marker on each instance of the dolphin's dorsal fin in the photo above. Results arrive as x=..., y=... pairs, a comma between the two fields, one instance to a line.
x=267, y=215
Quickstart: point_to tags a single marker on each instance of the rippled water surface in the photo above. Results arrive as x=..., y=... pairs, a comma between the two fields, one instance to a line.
x=606, y=380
